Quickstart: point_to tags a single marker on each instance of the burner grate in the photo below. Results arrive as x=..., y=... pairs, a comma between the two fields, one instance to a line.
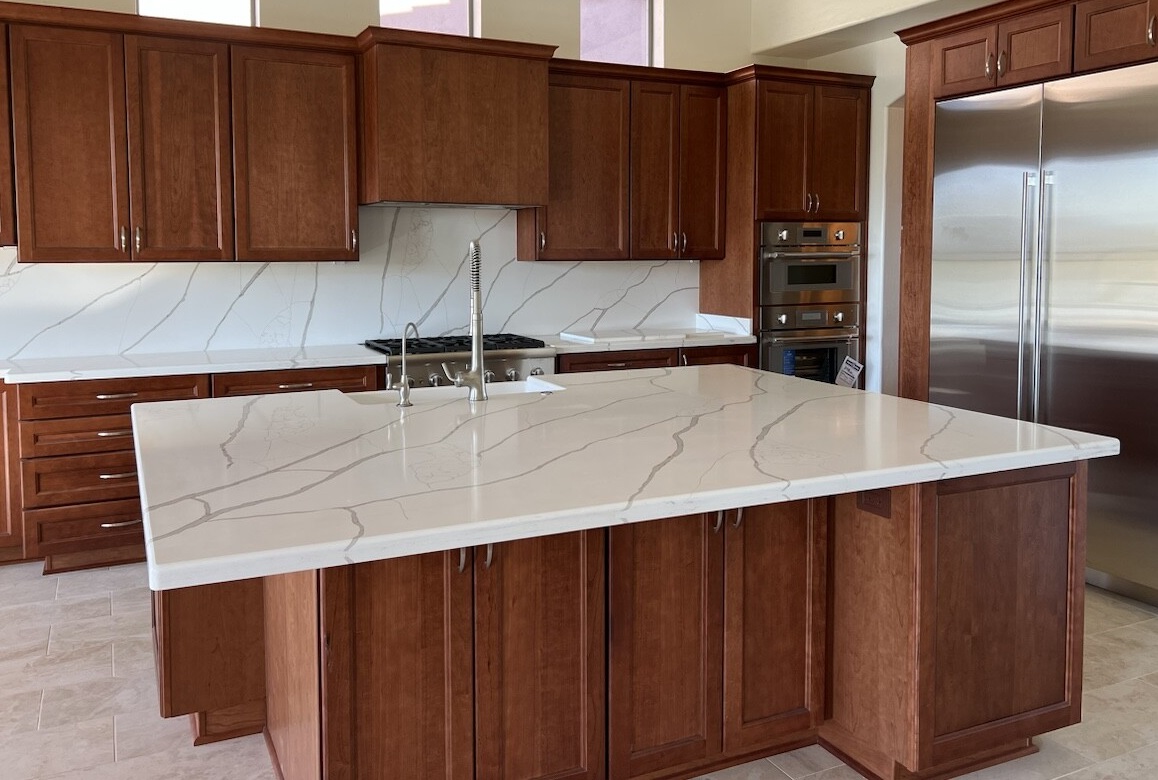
x=442, y=344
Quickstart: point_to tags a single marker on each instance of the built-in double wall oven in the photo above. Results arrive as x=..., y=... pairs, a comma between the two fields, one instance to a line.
x=810, y=297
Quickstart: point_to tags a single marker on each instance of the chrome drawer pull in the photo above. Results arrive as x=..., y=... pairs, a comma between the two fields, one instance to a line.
x=122, y=524
x=461, y=560
x=126, y=475
x=115, y=396
x=298, y=386
x=113, y=434
x=739, y=518
x=490, y=556
x=1150, y=30
x=617, y=365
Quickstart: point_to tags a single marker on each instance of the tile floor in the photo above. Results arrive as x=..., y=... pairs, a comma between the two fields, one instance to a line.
x=78, y=695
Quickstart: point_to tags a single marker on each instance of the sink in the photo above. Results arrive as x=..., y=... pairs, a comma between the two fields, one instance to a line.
x=419, y=394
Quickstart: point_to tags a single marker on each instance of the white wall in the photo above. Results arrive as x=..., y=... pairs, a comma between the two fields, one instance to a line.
x=713, y=36
x=340, y=17
x=554, y=22
x=777, y=23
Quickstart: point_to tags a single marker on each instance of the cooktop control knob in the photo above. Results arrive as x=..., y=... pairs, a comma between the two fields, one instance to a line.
x=488, y=376
x=436, y=380
x=536, y=371
x=512, y=375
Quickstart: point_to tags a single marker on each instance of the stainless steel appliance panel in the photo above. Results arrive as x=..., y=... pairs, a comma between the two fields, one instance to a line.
x=985, y=225
x=809, y=277
x=828, y=315
x=1099, y=326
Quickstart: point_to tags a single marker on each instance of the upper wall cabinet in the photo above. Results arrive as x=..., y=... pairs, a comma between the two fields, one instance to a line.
x=448, y=119
x=1114, y=32
x=7, y=191
x=811, y=151
x=294, y=149
x=96, y=181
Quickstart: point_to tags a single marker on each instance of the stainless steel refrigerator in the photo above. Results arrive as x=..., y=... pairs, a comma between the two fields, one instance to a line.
x=1045, y=284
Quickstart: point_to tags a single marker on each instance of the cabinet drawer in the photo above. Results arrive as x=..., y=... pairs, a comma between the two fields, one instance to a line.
x=78, y=479
x=84, y=527
x=613, y=361
x=86, y=398
x=348, y=379
x=75, y=436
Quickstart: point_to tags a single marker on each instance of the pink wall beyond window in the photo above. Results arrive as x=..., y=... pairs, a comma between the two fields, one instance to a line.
x=452, y=18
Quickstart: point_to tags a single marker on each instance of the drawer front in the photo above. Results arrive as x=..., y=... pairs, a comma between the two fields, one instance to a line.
x=75, y=436
x=348, y=379
x=84, y=527
x=616, y=361
x=88, y=398
x=78, y=479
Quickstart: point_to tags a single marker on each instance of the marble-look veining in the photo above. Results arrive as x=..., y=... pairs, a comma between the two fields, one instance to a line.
x=243, y=487
x=412, y=268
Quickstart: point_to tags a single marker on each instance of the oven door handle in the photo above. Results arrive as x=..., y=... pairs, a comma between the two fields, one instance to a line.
x=812, y=255
x=842, y=338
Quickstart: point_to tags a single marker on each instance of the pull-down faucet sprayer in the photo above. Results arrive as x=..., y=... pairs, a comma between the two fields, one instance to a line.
x=474, y=377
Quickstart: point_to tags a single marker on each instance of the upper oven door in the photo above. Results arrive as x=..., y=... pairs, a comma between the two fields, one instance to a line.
x=795, y=277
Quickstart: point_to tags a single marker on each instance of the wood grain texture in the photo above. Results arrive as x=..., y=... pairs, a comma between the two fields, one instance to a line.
x=655, y=170
x=228, y=722
x=774, y=623
x=209, y=645
x=293, y=674
x=1108, y=33
x=729, y=287
x=74, y=436
x=703, y=171
x=76, y=528
x=976, y=18
x=784, y=127
x=614, y=70
x=90, y=397
x=11, y=524
x=617, y=360
x=7, y=162
x=100, y=557
x=732, y=354
x=965, y=62
x=838, y=162
x=294, y=154
x=68, y=107
x=180, y=171
x=1036, y=46
x=78, y=479
x=540, y=658
x=423, y=142
x=348, y=379
x=665, y=597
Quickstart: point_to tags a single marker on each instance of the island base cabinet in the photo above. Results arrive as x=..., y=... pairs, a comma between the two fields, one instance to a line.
x=956, y=620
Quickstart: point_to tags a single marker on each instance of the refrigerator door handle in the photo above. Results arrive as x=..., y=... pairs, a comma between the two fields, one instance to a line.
x=1024, y=292
x=1041, y=293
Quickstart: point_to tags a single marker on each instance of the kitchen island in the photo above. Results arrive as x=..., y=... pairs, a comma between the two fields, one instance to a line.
x=458, y=591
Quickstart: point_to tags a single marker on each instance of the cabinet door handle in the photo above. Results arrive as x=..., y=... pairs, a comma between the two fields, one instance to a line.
x=1150, y=30
x=124, y=239
x=461, y=560
x=354, y=240
x=115, y=396
x=739, y=518
x=675, y=242
x=114, y=434
x=1001, y=64
x=137, y=239
x=989, y=67
x=685, y=359
x=542, y=240
x=719, y=521
x=808, y=208
x=683, y=242
x=298, y=386
x=817, y=209
x=489, y=556
x=122, y=524
x=122, y=475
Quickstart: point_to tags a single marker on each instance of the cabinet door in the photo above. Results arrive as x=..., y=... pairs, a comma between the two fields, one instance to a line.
x=587, y=213
x=774, y=607
x=783, y=130
x=179, y=149
x=68, y=110
x=838, y=164
x=294, y=155
x=540, y=687
x=665, y=598
x=1114, y=32
x=703, y=139
x=7, y=178
x=655, y=148
x=965, y=62
x=739, y=355
x=1036, y=46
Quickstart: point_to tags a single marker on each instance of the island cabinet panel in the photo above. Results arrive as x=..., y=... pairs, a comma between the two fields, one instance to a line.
x=588, y=213
x=294, y=152
x=665, y=650
x=293, y=658
x=1114, y=32
x=540, y=678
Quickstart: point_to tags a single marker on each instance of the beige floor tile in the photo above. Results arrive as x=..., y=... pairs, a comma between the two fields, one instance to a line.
x=82, y=664
x=1106, y=611
x=1121, y=654
x=1052, y=761
x=133, y=656
x=74, y=583
x=13, y=592
x=238, y=759
x=805, y=761
x=43, y=613
x=1151, y=678
x=132, y=600
x=755, y=770
x=107, y=628
x=1116, y=719
x=1139, y=765
x=48, y=752
x=19, y=712
x=146, y=733
x=841, y=772
x=19, y=642
x=23, y=573
x=98, y=698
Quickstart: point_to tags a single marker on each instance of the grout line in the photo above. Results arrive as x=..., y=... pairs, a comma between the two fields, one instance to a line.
x=40, y=710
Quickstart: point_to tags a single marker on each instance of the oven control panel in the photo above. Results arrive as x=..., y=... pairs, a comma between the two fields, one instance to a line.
x=810, y=317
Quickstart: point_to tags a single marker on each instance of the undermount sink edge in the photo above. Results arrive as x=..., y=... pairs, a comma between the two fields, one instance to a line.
x=532, y=384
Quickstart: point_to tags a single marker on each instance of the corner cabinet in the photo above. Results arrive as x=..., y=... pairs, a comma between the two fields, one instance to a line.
x=1108, y=33
x=295, y=149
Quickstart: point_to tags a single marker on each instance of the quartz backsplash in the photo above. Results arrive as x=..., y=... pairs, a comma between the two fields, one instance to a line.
x=413, y=267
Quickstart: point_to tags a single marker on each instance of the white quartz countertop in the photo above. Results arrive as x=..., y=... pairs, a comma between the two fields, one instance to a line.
x=252, y=486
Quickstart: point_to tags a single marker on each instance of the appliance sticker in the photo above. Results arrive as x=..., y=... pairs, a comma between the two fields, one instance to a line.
x=849, y=372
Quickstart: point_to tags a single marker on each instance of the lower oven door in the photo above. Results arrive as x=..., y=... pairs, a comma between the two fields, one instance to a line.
x=809, y=354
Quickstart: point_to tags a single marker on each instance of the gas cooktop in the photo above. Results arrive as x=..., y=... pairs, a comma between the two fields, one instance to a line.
x=440, y=344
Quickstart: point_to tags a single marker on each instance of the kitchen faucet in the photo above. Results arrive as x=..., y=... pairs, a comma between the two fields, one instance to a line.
x=403, y=377
x=475, y=377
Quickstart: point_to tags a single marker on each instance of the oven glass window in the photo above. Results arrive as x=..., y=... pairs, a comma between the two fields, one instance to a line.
x=817, y=363
x=811, y=274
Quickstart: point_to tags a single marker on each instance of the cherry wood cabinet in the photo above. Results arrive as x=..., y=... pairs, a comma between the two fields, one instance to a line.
x=617, y=360
x=11, y=530
x=733, y=354
x=348, y=379
x=811, y=151
x=587, y=212
x=1114, y=32
x=449, y=119
x=677, y=170
x=7, y=166
x=294, y=150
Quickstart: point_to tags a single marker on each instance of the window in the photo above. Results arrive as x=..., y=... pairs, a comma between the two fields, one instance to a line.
x=615, y=31
x=220, y=11
x=437, y=16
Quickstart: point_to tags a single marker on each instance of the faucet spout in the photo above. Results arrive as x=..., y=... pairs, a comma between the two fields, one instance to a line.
x=474, y=377
x=403, y=377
